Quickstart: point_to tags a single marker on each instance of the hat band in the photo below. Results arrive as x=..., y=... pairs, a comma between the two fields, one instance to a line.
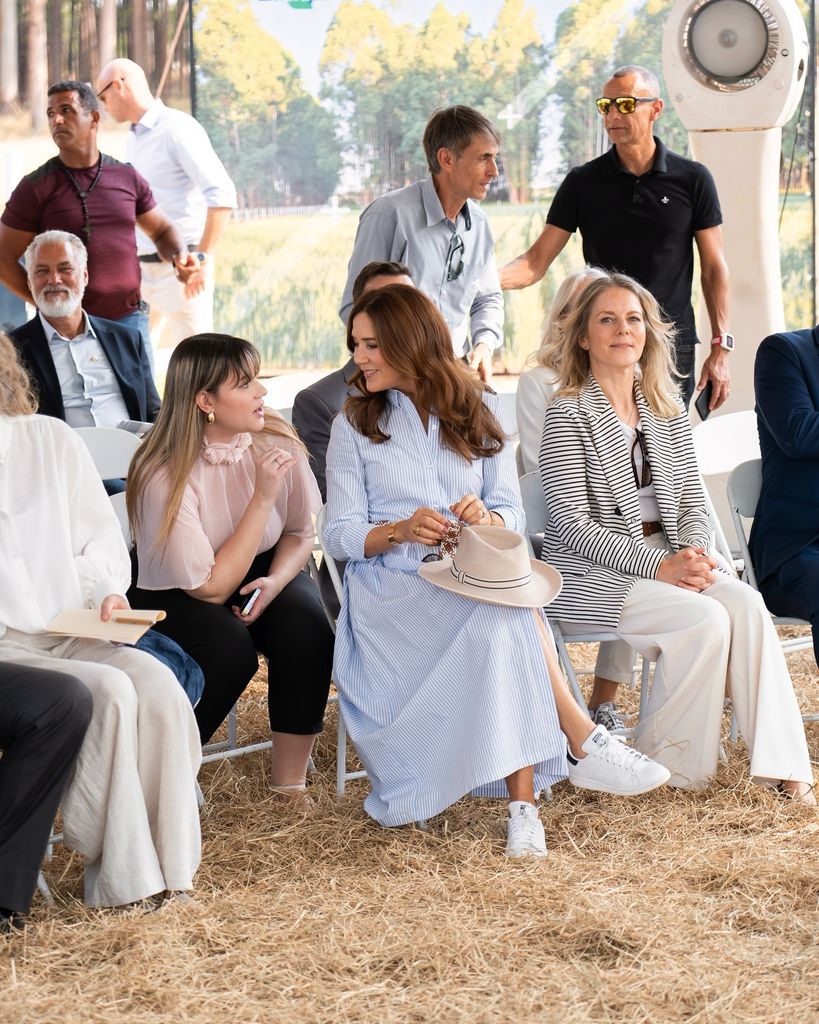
x=482, y=584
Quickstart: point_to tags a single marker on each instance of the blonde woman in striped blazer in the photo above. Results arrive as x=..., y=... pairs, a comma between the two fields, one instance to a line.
x=629, y=532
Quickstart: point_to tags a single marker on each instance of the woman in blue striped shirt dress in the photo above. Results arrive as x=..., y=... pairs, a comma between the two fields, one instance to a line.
x=442, y=695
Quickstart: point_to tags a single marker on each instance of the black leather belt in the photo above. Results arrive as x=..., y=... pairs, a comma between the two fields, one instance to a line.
x=154, y=257
x=651, y=528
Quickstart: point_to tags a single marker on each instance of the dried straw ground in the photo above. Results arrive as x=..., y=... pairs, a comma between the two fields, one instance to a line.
x=666, y=908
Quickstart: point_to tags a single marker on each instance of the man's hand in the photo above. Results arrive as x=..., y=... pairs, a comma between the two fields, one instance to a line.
x=189, y=271
x=480, y=359
x=716, y=369
x=113, y=603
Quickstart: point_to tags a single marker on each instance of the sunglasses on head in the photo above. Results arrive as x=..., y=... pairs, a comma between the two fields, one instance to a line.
x=624, y=104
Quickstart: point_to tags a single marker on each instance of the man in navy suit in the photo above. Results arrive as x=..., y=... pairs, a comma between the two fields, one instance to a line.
x=784, y=538
x=85, y=370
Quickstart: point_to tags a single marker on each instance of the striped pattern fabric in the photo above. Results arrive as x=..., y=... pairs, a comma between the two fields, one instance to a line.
x=442, y=695
x=594, y=533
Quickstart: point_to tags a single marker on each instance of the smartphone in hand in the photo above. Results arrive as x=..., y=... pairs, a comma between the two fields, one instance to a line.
x=704, y=400
x=252, y=599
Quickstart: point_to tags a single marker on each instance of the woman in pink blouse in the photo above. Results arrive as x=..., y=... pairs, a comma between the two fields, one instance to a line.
x=221, y=502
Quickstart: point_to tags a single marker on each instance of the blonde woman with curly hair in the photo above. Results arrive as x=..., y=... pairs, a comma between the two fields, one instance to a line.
x=221, y=501
x=629, y=532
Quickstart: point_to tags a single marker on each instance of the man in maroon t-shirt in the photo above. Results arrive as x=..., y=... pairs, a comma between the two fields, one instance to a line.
x=100, y=200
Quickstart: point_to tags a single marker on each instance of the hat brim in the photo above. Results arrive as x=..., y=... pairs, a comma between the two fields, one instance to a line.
x=544, y=586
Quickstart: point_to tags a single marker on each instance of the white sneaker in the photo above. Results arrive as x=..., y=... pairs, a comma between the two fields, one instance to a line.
x=524, y=831
x=610, y=766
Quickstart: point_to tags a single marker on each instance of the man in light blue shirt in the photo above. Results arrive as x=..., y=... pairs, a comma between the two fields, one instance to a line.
x=85, y=370
x=171, y=150
x=437, y=229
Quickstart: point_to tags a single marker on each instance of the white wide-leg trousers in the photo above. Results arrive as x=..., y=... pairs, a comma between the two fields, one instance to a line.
x=706, y=646
x=131, y=807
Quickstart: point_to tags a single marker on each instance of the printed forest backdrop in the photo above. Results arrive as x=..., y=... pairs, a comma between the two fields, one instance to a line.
x=318, y=106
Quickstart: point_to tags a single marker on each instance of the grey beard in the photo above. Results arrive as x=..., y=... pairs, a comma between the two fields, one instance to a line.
x=51, y=306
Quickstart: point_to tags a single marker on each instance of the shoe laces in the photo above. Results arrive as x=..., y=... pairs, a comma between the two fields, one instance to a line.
x=524, y=824
x=623, y=755
x=607, y=715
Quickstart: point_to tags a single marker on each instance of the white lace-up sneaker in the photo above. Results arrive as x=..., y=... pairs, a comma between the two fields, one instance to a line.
x=524, y=831
x=610, y=766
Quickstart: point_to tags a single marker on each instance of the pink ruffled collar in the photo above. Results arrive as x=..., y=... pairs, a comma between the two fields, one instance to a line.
x=226, y=454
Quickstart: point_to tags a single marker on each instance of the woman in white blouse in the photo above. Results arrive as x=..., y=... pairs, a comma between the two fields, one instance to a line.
x=629, y=532
x=221, y=501
x=130, y=808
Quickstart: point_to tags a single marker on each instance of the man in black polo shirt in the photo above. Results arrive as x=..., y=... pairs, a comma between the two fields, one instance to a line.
x=638, y=208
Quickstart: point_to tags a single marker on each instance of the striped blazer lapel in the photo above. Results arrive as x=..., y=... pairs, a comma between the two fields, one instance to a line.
x=612, y=449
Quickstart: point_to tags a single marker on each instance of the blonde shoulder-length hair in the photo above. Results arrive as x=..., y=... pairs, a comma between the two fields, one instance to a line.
x=16, y=393
x=568, y=292
x=202, y=362
x=657, y=374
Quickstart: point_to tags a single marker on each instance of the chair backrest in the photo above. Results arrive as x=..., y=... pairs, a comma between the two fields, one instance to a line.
x=722, y=442
x=111, y=449
x=744, y=485
x=508, y=413
x=118, y=503
x=329, y=561
x=534, y=502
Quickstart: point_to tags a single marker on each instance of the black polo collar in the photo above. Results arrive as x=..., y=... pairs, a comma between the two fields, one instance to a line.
x=660, y=165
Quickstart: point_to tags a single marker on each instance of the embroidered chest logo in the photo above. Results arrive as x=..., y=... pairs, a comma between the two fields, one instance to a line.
x=664, y=200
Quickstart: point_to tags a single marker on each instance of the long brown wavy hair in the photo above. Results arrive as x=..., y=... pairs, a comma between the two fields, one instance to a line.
x=202, y=362
x=414, y=340
x=17, y=396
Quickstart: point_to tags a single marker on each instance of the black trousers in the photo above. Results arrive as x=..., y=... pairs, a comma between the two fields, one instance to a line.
x=685, y=359
x=43, y=719
x=292, y=633
x=794, y=590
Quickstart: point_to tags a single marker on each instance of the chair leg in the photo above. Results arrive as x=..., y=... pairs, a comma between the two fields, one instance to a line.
x=42, y=885
x=566, y=662
x=644, y=686
x=341, y=755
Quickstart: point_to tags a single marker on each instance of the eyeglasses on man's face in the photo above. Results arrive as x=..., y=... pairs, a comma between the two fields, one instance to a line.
x=624, y=104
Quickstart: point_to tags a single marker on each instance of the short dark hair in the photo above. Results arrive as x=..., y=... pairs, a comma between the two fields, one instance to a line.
x=378, y=268
x=454, y=128
x=85, y=94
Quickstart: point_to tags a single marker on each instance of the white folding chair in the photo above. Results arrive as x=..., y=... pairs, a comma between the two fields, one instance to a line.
x=720, y=444
x=342, y=775
x=744, y=486
x=508, y=414
x=537, y=513
x=111, y=449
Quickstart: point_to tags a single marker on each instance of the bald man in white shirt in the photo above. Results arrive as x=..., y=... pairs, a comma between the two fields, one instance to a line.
x=171, y=150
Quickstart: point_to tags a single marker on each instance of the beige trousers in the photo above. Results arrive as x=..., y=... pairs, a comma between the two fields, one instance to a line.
x=173, y=317
x=131, y=808
x=706, y=646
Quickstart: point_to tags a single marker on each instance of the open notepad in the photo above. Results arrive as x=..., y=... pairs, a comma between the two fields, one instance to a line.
x=125, y=626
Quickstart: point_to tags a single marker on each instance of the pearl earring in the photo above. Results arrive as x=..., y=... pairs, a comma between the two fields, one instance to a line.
x=211, y=418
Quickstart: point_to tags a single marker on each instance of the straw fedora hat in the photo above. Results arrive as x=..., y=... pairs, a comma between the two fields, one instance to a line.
x=492, y=564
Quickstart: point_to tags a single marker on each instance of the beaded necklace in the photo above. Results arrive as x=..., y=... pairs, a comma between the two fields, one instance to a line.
x=83, y=195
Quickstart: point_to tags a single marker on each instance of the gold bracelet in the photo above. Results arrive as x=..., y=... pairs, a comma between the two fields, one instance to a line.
x=391, y=538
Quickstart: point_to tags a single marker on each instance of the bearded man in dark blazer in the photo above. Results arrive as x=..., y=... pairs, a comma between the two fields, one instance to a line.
x=85, y=370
